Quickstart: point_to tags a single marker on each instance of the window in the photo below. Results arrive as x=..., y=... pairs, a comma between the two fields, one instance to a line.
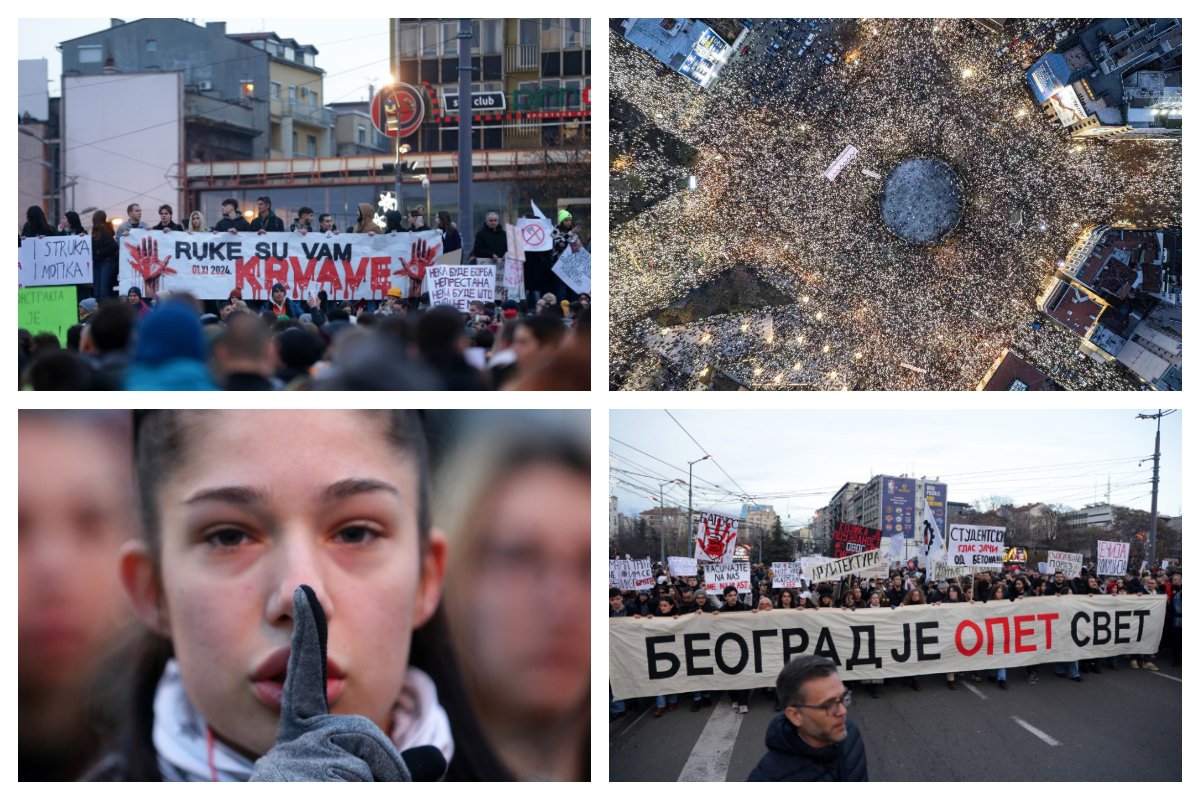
x=90, y=53
x=573, y=33
x=572, y=96
x=275, y=90
x=528, y=31
x=313, y=99
x=410, y=41
x=430, y=33
x=292, y=95
x=289, y=53
x=295, y=142
x=361, y=131
x=259, y=43
x=247, y=89
x=552, y=31
x=493, y=32
x=312, y=146
x=151, y=45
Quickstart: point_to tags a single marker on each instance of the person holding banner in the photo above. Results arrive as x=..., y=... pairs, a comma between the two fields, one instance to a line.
x=813, y=739
x=739, y=697
x=165, y=220
x=663, y=703
x=1060, y=586
x=104, y=256
x=998, y=592
x=267, y=220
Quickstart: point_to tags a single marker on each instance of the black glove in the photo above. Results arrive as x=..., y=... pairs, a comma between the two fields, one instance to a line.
x=312, y=744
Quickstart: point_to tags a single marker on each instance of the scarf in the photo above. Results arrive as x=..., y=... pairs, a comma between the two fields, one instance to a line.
x=188, y=751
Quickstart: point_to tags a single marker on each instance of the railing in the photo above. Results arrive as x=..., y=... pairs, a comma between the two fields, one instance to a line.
x=519, y=57
x=218, y=111
x=313, y=115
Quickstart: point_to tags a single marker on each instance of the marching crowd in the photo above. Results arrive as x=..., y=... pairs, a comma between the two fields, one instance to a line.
x=672, y=596
x=148, y=340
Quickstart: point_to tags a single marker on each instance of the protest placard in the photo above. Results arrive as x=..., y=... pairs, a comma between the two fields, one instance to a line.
x=706, y=652
x=681, y=567
x=630, y=575
x=54, y=261
x=786, y=575
x=534, y=235
x=717, y=576
x=808, y=562
x=514, y=273
x=1111, y=557
x=575, y=269
x=458, y=286
x=347, y=266
x=849, y=565
x=1069, y=563
x=48, y=309
x=716, y=536
x=850, y=539
x=975, y=545
x=941, y=571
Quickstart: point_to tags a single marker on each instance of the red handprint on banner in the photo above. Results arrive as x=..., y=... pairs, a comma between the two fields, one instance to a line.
x=714, y=540
x=422, y=257
x=146, y=262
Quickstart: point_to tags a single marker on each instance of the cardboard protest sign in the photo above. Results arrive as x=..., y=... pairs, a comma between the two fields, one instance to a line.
x=1111, y=557
x=514, y=273
x=630, y=575
x=850, y=539
x=54, y=261
x=717, y=576
x=716, y=536
x=534, y=235
x=575, y=269
x=703, y=652
x=458, y=286
x=1069, y=563
x=681, y=567
x=975, y=545
x=786, y=575
x=48, y=309
x=849, y=565
x=347, y=266
x=808, y=562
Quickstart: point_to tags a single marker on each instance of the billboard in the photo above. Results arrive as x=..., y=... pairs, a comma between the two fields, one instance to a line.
x=935, y=499
x=898, y=506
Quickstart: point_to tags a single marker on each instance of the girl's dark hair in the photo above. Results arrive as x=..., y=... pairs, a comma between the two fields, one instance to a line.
x=74, y=222
x=36, y=223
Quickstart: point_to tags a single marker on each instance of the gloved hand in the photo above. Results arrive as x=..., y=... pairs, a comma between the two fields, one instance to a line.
x=312, y=744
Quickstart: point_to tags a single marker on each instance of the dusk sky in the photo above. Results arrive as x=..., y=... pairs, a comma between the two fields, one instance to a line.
x=795, y=460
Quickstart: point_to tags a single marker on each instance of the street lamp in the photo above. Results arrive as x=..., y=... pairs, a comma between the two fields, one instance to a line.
x=689, y=516
x=662, y=546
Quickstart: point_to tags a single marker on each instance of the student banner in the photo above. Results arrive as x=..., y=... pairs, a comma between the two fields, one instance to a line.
x=1111, y=557
x=54, y=261
x=1069, y=563
x=681, y=567
x=630, y=575
x=857, y=563
x=347, y=266
x=703, y=652
x=786, y=575
x=718, y=576
x=975, y=546
x=850, y=539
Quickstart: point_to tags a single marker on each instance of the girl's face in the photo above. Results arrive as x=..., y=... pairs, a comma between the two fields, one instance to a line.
x=238, y=535
x=664, y=607
x=526, y=655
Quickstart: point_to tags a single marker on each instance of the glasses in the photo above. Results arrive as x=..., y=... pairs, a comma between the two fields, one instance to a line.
x=830, y=706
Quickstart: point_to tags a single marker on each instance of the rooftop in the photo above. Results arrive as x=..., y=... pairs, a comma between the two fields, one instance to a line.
x=687, y=46
x=1011, y=373
x=1073, y=307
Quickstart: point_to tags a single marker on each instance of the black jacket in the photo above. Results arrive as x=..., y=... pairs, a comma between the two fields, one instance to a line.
x=267, y=222
x=489, y=243
x=790, y=758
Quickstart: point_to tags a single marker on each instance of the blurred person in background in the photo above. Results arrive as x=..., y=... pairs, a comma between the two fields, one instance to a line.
x=74, y=509
x=517, y=518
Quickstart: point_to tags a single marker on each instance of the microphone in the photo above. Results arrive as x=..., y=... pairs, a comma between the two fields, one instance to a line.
x=426, y=763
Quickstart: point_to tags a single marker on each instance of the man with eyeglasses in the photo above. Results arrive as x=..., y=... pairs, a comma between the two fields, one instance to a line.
x=813, y=739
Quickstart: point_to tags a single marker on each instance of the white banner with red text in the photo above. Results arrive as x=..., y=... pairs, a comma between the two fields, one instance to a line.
x=347, y=266
x=700, y=652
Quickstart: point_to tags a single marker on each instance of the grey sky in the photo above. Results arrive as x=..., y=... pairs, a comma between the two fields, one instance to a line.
x=353, y=52
x=795, y=460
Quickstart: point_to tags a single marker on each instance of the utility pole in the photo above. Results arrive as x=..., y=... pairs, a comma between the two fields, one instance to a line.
x=1154, y=483
x=689, y=516
x=466, y=161
x=662, y=547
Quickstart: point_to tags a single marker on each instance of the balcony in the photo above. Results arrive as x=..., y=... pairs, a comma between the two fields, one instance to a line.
x=220, y=113
x=522, y=58
x=300, y=112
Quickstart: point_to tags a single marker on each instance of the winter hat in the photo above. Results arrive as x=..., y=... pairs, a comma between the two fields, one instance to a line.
x=299, y=349
x=88, y=304
x=562, y=214
x=169, y=332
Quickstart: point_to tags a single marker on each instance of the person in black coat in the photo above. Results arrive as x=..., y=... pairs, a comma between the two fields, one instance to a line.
x=813, y=739
x=490, y=240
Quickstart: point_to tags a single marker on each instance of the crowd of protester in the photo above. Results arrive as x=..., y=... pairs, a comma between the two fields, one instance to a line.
x=148, y=340
x=869, y=310
x=672, y=596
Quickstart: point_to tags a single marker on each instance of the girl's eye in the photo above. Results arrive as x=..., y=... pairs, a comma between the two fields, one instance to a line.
x=227, y=538
x=357, y=534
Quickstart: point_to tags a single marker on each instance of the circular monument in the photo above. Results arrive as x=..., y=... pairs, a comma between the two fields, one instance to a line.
x=922, y=200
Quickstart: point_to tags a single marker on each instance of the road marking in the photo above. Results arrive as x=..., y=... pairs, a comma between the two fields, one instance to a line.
x=628, y=729
x=1168, y=677
x=710, y=757
x=978, y=693
x=1045, y=737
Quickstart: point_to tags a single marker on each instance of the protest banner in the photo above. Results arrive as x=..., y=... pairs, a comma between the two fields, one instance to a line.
x=347, y=266
x=630, y=575
x=975, y=545
x=514, y=273
x=48, y=309
x=1112, y=557
x=941, y=571
x=458, y=286
x=681, y=567
x=575, y=269
x=786, y=575
x=716, y=536
x=534, y=235
x=933, y=544
x=857, y=563
x=850, y=539
x=1069, y=563
x=54, y=261
x=808, y=562
x=717, y=576
x=705, y=652
x=1043, y=568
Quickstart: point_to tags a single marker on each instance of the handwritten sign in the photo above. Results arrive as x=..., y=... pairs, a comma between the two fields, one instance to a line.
x=786, y=575
x=1111, y=557
x=55, y=261
x=460, y=285
x=575, y=269
x=681, y=567
x=50, y=309
x=975, y=546
x=718, y=576
x=1069, y=563
x=630, y=575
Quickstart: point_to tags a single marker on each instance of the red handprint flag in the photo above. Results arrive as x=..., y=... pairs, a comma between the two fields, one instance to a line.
x=716, y=536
